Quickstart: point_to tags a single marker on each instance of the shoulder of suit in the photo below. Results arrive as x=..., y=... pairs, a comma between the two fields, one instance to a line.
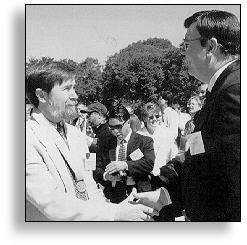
x=141, y=136
x=231, y=81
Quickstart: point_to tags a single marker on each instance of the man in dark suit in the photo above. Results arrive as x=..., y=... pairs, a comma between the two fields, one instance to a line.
x=129, y=163
x=210, y=174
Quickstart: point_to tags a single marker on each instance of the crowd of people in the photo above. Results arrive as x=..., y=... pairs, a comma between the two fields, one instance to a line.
x=156, y=162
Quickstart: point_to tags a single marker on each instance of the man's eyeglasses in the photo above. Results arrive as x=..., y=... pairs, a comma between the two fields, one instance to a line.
x=186, y=42
x=117, y=127
x=155, y=116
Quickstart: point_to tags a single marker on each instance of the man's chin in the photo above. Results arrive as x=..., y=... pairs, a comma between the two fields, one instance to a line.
x=70, y=113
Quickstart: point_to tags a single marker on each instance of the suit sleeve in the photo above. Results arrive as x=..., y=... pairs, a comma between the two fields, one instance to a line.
x=144, y=165
x=100, y=168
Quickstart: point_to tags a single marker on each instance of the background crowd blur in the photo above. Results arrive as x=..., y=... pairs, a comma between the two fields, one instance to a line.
x=176, y=119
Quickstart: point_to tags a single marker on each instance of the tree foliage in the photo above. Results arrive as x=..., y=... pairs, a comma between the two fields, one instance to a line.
x=88, y=76
x=144, y=70
x=141, y=72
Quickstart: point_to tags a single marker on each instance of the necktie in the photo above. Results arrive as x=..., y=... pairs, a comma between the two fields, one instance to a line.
x=61, y=131
x=80, y=186
x=122, y=151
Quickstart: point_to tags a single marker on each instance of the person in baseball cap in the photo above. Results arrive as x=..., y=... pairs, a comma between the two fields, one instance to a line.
x=96, y=107
x=97, y=118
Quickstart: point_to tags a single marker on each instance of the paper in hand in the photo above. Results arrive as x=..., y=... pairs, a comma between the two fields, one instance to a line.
x=196, y=143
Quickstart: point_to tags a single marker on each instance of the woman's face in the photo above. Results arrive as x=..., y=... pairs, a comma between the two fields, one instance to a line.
x=193, y=106
x=153, y=119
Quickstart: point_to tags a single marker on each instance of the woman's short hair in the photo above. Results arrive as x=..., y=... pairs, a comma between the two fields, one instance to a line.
x=143, y=111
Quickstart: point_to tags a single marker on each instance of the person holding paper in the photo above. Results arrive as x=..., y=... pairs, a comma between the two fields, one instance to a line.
x=131, y=161
x=58, y=188
x=210, y=173
x=194, y=105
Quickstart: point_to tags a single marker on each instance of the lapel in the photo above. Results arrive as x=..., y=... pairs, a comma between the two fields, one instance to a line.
x=202, y=116
x=50, y=134
x=112, y=154
x=49, y=138
x=133, y=143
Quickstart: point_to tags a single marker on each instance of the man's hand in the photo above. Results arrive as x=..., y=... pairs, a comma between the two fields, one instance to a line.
x=154, y=199
x=116, y=166
x=112, y=178
x=156, y=171
x=131, y=211
x=180, y=157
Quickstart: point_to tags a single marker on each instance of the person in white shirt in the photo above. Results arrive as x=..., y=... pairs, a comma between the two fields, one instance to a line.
x=171, y=117
x=165, y=146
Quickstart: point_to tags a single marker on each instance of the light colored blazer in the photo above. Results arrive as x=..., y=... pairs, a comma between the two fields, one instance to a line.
x=49, y=187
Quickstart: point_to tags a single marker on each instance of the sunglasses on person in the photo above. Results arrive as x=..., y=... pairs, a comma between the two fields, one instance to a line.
x=154, y=116
x=90, y=113
x=83, y=112
x=117, y=127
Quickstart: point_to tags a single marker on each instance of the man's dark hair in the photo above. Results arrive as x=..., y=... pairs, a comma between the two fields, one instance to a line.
x=221, y=25
x=45, y=76
x=119, y=112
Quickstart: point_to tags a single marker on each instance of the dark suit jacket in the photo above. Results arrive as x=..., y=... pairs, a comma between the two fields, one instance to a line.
x=138, y=169
x=211, y=180
x=105, y=138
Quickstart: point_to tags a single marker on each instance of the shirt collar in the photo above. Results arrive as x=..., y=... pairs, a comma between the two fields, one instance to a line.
x=127, y=137
x=217, y=74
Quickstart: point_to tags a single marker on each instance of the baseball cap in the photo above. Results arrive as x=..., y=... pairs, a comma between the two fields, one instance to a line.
x=98, y=107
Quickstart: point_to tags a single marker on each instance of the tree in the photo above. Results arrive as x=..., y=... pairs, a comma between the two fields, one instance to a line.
x=88, y=78
x=143, y=70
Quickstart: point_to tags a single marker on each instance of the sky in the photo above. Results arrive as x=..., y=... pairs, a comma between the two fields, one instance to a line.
x=99, y=31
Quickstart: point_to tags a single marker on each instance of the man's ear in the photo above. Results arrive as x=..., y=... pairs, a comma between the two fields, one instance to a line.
x=41, y=95
x=212, y=46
